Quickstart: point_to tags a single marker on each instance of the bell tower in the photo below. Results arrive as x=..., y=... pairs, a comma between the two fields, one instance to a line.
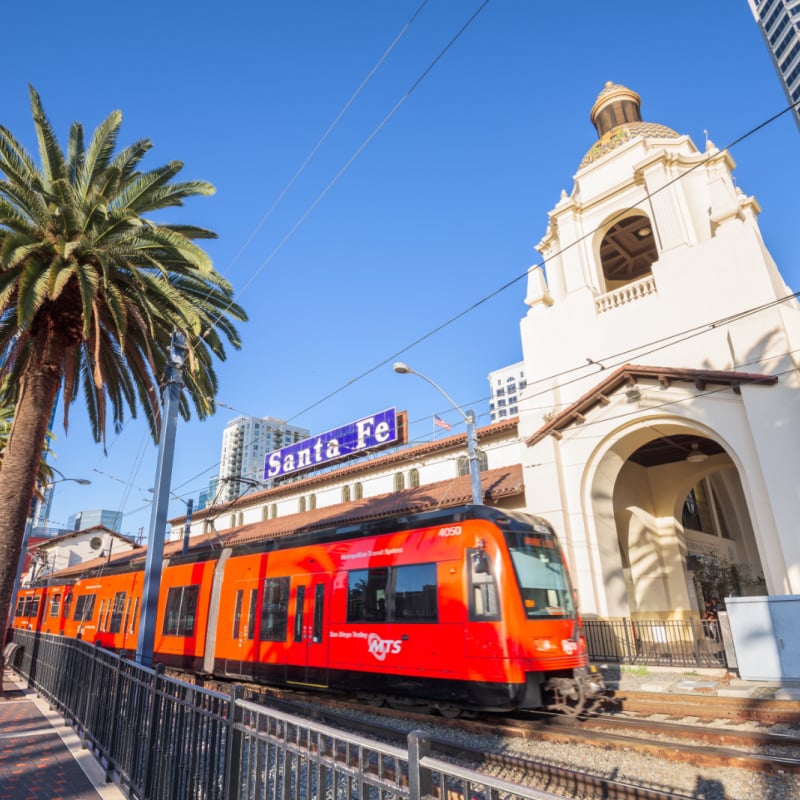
x=653, y=239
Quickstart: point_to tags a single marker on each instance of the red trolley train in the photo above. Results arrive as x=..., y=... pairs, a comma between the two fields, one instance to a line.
x=467, y=607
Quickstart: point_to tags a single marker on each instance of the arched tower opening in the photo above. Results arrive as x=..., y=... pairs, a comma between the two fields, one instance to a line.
x=627, y=251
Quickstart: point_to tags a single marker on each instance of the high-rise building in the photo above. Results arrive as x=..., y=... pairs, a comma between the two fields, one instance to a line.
x=96, y=516
x=506, y=386
x=245, y=443
x=779, y=21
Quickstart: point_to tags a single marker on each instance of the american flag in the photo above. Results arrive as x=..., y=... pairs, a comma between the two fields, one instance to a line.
x=437, y=420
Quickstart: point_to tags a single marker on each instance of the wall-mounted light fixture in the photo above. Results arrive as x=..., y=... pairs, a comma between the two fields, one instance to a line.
x=696, y=455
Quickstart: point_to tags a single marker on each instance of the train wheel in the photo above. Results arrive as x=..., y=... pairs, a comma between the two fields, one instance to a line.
x=448, y=711
x=374, y=700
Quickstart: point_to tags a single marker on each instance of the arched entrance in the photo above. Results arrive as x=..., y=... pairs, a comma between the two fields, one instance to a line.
x=673, y=525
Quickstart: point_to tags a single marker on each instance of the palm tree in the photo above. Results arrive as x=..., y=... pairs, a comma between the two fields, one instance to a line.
x=91, y=291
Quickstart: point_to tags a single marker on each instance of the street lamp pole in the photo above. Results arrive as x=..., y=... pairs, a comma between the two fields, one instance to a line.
x=26, y=535
x=469, y=421
x=158, y=517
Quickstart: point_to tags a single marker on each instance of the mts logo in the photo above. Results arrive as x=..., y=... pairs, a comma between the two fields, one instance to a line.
x=380, y=648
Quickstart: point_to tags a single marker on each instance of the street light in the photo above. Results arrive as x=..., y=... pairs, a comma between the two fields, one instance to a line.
x=26, y=536
x=469, y=420
x=158, y=518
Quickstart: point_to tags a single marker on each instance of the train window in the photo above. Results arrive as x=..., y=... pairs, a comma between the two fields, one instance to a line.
x=541, y=576
x=21, y=607
x=366, y=595
x=484, y=604
x=55, y=605
x=299, y=610
x=237, y=614
x=181, y=611
x=250, y=633
x=274, y=610
x=34, y=609
x=67, y=604
x=101, y=617
x=407, y=594
x=319, y=607
x=133, y=608
x=84, y=607
x=415, y=593
x=115, y=624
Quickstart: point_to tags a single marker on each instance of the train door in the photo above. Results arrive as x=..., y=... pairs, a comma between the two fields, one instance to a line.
x=240, y=661
x=309, y=639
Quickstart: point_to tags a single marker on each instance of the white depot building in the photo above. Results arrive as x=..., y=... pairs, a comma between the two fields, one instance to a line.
x=677, y=433
x=660, y=423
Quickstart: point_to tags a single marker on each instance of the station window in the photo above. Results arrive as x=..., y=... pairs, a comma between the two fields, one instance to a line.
x=399, y=482
x=413, y=478
x=274, y=610
x=462, y=464
x=345, y=494
x=181, y=611
x=358, y=491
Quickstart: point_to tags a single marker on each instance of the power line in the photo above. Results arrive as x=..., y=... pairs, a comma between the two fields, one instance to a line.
x=618, y=215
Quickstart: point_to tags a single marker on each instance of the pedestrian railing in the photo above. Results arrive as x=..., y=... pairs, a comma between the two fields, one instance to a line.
x=160, y=738
x=674, y=643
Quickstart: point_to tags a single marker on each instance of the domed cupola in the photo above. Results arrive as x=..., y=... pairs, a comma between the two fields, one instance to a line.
x=616, y=115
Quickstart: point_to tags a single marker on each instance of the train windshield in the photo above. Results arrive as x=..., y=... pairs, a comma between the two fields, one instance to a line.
x=541, y=575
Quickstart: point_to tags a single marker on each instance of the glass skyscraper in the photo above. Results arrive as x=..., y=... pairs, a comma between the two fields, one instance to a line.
x=779, y=21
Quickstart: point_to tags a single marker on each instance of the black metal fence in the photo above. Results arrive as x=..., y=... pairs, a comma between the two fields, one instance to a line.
x=160, y=738
x=671, y=643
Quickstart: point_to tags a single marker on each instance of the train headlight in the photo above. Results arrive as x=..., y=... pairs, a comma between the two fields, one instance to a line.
x=545, y=645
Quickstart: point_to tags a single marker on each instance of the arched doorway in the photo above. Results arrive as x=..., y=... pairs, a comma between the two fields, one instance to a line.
x=672, y=523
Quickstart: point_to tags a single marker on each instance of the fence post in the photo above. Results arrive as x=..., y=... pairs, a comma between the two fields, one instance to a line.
x=419, y=778
x=153, y=743
x=111, y=752
x=628, y=651
x=233, y=746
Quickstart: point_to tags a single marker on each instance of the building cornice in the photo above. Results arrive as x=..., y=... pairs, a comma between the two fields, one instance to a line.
x=627, y=375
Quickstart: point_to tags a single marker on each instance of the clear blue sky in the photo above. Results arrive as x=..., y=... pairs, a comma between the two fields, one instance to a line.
x=442, y=207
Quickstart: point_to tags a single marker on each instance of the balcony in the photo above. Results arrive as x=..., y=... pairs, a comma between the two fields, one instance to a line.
x=628, y=293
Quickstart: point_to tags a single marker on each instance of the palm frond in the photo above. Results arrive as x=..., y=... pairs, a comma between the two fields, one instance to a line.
x=50, y=154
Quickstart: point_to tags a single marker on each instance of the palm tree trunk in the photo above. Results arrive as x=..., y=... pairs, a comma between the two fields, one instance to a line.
x=20, y=463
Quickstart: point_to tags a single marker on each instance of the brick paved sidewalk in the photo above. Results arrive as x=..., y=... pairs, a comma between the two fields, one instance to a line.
x=41, y=758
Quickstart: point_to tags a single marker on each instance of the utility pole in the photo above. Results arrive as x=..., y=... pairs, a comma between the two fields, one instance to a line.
x=158, y=517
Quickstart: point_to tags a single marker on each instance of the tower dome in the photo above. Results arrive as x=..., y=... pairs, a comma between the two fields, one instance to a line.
x=616, y=115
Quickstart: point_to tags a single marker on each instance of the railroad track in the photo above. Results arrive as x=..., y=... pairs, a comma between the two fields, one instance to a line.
x=695, y=746
x=708, y=707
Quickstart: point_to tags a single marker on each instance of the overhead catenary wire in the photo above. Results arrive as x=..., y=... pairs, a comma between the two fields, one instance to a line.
x=481, y=301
